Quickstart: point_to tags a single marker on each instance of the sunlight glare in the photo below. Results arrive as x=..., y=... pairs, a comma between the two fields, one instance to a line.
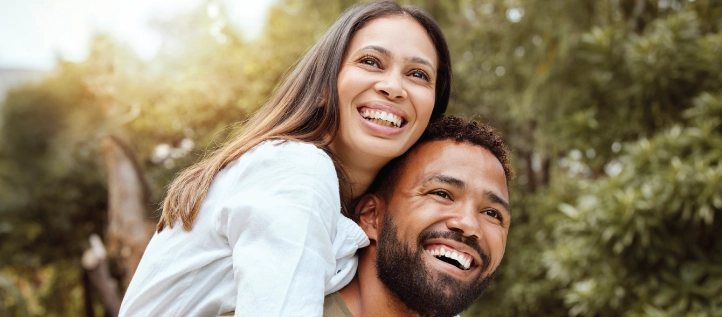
x=35, y=32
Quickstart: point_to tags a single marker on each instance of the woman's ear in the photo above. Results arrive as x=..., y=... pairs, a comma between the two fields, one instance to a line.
x=370, y=209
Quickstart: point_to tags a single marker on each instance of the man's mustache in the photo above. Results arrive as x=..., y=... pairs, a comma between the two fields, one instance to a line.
x=453, y=235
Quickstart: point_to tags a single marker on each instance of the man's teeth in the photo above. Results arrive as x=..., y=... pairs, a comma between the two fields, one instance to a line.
x=463, y=258
x=381, y=117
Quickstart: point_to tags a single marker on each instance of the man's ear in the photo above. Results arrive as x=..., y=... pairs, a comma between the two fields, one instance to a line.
x=370, y=209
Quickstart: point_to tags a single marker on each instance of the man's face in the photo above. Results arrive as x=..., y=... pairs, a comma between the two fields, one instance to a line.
x=444, y=229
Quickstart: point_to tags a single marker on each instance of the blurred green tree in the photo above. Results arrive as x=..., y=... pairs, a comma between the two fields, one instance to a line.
x=645, y=241
x=51, y=191
x=571, y=84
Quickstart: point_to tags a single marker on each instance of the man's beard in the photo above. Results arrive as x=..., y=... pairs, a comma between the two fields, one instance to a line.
x=403, y=271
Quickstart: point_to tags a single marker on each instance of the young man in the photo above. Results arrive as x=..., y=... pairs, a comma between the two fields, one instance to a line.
x=438, y=219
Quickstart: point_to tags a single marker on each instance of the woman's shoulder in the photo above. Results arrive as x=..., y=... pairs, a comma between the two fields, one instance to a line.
x=289, y=152
x=294, y=157
x=288, y=147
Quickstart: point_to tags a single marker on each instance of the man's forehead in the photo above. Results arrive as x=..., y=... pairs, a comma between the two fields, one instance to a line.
x=453, y=159
x=436, y=156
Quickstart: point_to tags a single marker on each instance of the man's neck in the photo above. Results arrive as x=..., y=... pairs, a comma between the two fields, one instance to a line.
x=367, y=296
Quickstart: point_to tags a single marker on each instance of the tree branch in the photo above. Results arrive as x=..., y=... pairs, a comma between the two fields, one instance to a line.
x=95, y=264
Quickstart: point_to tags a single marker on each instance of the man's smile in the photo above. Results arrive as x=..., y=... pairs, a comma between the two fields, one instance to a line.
x=459, y=259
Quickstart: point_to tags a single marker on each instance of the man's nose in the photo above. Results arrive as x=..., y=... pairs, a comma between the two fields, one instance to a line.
x=392, y=86
x=465, y=221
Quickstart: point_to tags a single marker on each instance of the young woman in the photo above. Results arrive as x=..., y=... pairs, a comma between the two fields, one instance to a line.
x=256, y=227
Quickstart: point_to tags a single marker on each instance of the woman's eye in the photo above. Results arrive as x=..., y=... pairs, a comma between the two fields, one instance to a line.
x=492, y=213
x=370, y=60
x=420, y=74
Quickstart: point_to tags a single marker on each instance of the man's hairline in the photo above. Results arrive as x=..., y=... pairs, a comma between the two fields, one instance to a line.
x=401, y=164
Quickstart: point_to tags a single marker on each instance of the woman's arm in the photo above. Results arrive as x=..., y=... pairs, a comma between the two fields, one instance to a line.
x=280, y=221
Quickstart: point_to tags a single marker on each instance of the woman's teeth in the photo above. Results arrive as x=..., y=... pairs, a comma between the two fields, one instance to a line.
x=382, y=122
x=382, y=118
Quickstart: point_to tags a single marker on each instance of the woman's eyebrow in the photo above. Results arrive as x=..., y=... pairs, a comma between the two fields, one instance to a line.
x=420, y=60
x=378, y=49
x=387, y=53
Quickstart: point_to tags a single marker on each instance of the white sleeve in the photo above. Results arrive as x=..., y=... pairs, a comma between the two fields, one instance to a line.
x=280, y=219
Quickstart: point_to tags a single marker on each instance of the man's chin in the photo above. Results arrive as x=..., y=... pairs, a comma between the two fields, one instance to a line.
x=444, y=294
x=426, y=285
x=459, y=288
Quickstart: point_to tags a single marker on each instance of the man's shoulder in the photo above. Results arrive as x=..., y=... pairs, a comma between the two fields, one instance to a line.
x=334, y=306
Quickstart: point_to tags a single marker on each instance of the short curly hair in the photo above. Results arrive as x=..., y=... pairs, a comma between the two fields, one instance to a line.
x=472, y=132
x=444, y=128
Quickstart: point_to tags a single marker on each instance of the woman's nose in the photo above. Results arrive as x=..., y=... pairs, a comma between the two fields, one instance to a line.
x=392, y=87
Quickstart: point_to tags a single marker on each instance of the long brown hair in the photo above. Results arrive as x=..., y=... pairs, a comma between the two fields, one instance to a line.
x=303, y=108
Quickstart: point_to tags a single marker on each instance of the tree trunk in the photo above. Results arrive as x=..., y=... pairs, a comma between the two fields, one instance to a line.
x=529, y=170
x=635, y=20
x=87, y=295
x=544, y=173
x=129, y=222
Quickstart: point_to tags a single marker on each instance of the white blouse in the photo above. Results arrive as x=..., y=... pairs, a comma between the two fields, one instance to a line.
x=269, y=240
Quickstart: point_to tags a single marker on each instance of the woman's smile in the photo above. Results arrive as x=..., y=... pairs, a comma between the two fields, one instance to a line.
x=381, y=117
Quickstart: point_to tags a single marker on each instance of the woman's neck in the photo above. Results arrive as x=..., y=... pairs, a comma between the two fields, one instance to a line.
x=360, y=170
x=359, y=179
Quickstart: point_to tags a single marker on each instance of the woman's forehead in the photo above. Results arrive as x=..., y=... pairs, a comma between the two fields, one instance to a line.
x=397, y=34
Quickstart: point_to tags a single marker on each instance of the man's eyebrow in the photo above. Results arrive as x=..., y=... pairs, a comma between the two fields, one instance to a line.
x=496, y=199
x=453, y=181
x=388, y=53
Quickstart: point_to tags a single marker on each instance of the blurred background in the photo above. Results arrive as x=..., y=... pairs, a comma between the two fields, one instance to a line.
x=612, y=108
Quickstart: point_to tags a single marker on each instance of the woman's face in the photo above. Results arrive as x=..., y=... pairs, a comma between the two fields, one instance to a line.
x=386, y=90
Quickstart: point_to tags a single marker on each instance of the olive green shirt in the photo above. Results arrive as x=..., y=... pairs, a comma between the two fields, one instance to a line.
x=333, y=306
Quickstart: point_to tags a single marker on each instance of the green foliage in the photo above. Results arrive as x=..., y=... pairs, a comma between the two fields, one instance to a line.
x=643, y=241
x=569, y=69
x=651, y=231
x=10, y=299
x=595, y=240
x=52, y=192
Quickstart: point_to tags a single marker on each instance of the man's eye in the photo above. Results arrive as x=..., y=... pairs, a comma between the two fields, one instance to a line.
x=441, y=194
